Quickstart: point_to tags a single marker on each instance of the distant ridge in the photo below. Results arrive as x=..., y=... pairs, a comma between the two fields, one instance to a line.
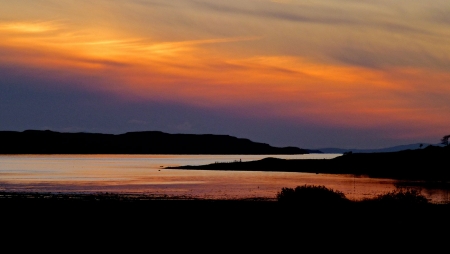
x=381, y=150
x=147, y=142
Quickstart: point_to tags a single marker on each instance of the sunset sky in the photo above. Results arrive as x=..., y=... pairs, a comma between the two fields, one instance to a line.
x=311, y=74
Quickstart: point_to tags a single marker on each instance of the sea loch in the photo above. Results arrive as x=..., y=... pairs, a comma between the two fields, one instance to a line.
x=146, y=174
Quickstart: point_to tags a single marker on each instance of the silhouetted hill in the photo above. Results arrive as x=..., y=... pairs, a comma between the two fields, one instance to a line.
x=149, y=142
x=381, y=150
x=430, y=163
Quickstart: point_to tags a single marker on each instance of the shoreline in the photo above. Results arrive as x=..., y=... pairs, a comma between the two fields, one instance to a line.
x=33, y=197
x=428, y=164
x=180, y=218
x=116, y=197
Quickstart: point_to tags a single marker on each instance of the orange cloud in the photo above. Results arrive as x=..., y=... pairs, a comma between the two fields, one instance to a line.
x=194, y=72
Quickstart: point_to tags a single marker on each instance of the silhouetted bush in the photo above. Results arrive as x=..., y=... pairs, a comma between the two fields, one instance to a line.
x=401, y=197
x=311, y=194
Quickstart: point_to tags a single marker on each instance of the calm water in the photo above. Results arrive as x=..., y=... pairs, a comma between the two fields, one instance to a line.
x=145, y=174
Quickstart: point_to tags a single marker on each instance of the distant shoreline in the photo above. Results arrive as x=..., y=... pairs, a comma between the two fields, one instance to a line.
x=146, y=142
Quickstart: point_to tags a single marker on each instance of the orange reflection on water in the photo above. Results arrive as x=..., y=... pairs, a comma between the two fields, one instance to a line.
x=145, y=174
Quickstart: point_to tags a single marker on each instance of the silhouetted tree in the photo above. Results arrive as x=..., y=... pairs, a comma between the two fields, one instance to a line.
x=444, y=140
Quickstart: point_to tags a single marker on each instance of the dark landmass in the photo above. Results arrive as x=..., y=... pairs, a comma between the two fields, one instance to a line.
x=13, y=200
x=108, y=221
x=149, y=142
x=269, y=209
x=381, y=150
x=430, y=164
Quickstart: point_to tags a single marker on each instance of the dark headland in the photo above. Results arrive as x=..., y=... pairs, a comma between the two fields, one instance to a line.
x=430, y=163
x=147, y=142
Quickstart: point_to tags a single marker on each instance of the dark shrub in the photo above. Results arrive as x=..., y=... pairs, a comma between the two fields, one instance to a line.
x=311, y=194
x=402, y=197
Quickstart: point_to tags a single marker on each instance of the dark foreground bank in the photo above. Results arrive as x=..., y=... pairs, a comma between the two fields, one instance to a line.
x=108, y=221
x=136, y=207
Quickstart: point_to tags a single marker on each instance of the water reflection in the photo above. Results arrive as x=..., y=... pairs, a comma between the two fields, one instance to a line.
x=145, y=174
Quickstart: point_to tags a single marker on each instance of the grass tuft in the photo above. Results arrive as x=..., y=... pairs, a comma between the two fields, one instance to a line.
x=405, y=196
x=321, y=195
x=311, y=194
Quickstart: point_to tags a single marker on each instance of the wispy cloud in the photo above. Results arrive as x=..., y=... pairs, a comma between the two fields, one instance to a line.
x=346, y=63
x=271, y=12
x=29, y=27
